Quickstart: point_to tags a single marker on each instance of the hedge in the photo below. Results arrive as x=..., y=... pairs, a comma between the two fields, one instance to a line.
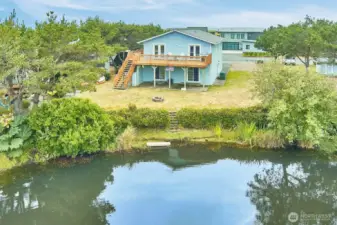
x=256, y=54
x=227, y=118
x=142, y=117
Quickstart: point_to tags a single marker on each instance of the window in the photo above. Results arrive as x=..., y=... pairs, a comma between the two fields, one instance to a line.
x=232, y=36
x=193, y=74
x=159, y=49
x=230, y=46
x=253, y=35
x=242, y=36
x=194, y=50
x=247, y=47
x=160, y=73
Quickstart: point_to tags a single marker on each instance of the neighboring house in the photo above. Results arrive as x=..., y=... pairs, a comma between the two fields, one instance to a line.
x=178, y=56
x=238, y=39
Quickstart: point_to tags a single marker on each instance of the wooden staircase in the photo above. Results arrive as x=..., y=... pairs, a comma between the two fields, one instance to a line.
x=124, y=76
x=174, y=124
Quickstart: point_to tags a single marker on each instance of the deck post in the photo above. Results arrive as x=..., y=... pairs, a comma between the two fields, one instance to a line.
x=203, y=79
x=154, y=75
x=169, y=79
x=185, y=77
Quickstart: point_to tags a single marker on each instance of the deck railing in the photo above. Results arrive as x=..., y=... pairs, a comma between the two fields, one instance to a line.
x=198, y=61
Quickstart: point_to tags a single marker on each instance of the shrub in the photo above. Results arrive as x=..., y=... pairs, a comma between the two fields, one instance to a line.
x=268, y=139
x=15, y=135
x=25, y=104
x=227, y=118
x=126, y=139
x=144, y=117
x=69, y=127
x=107, y=76
x=301, y=106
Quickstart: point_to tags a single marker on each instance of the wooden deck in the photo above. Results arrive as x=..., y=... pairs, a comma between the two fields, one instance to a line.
x=173, y=60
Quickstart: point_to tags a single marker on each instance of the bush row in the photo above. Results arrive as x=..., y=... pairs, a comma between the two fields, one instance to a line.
x=189, y=118
x=227, y=118
x=141, y=118
x=256, y=54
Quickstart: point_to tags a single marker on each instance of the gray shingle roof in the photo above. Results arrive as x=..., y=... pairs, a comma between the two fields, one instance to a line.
x=198, y=34
x=202, y=35
x=238, y=29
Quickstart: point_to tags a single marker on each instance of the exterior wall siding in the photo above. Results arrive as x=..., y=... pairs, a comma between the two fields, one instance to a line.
x=251, y=47
x=177, y=44
x=239, y=44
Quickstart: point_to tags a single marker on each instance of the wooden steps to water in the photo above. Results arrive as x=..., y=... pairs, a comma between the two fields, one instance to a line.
x=174, y=124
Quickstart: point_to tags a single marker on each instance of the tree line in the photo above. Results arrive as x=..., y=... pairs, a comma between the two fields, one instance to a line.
x=59, y=56
x=306, y=40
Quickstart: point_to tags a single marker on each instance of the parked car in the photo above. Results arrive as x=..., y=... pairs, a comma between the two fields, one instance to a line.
x=289, y=62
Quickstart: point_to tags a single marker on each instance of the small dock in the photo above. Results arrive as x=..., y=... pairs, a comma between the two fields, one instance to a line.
x=158, y=144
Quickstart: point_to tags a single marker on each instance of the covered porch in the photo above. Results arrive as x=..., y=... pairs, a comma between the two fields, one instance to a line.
x=171, y=77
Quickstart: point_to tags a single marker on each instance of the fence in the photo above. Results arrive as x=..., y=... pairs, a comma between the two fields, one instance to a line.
x=327, y=69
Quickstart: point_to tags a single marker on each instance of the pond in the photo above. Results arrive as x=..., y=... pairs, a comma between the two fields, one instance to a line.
x=179, y=186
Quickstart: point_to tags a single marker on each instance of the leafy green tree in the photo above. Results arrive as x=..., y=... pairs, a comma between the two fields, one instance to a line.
x=301, y=106
x=14, y=60
x=69, y=127
x=121, y=34
x=271, y=41
x=67, y=57
x=302, y=39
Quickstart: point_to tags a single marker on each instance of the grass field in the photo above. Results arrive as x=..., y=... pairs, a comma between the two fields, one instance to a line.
x=235, y=93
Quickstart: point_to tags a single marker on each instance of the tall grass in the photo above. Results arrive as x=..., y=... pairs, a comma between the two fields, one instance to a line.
x=218, y=131
x=245, y=132
x=268, y=139
x=126, y=139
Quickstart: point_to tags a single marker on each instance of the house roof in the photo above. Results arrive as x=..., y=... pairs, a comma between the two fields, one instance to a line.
x=198, y=34
x=238, y=29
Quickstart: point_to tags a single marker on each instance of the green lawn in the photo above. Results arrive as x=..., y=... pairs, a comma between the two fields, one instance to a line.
x=235, y=93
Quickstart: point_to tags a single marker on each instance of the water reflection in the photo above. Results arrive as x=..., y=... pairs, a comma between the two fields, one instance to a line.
x=188, y=185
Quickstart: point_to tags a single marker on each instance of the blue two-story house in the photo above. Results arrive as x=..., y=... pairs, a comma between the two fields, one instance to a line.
x=178, y=56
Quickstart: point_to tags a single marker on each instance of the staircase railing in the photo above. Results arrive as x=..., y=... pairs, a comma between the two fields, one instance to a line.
x=129, y=75
x=121, y=70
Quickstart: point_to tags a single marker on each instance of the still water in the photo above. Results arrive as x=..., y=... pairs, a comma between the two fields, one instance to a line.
x=179, y=186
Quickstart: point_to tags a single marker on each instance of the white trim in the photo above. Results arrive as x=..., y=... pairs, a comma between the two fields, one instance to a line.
x=149, y=39
x=190, y=81
x=189, y=48
x=160, y=44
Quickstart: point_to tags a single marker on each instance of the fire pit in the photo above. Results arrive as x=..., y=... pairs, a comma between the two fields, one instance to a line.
x=157, y=99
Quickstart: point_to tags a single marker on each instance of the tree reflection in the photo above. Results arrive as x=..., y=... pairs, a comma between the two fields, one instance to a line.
x=308, y=186
x=58, y=196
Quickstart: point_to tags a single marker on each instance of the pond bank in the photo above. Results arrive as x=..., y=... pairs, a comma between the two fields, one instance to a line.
x=213, y=140
x=230, y=138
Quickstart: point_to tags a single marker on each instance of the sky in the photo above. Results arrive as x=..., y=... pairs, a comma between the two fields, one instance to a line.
x=177, y=13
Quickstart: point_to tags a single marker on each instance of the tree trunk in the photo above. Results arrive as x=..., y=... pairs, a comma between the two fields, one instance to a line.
x=36, y=99
x=307, y=63
x=18, y=105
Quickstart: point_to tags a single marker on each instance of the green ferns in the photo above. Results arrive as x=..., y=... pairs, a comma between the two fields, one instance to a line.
x=71, y=127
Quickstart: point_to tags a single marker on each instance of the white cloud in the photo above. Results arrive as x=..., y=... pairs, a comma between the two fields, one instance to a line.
x=105, y=5
x=38, y=8
x=247, y=18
